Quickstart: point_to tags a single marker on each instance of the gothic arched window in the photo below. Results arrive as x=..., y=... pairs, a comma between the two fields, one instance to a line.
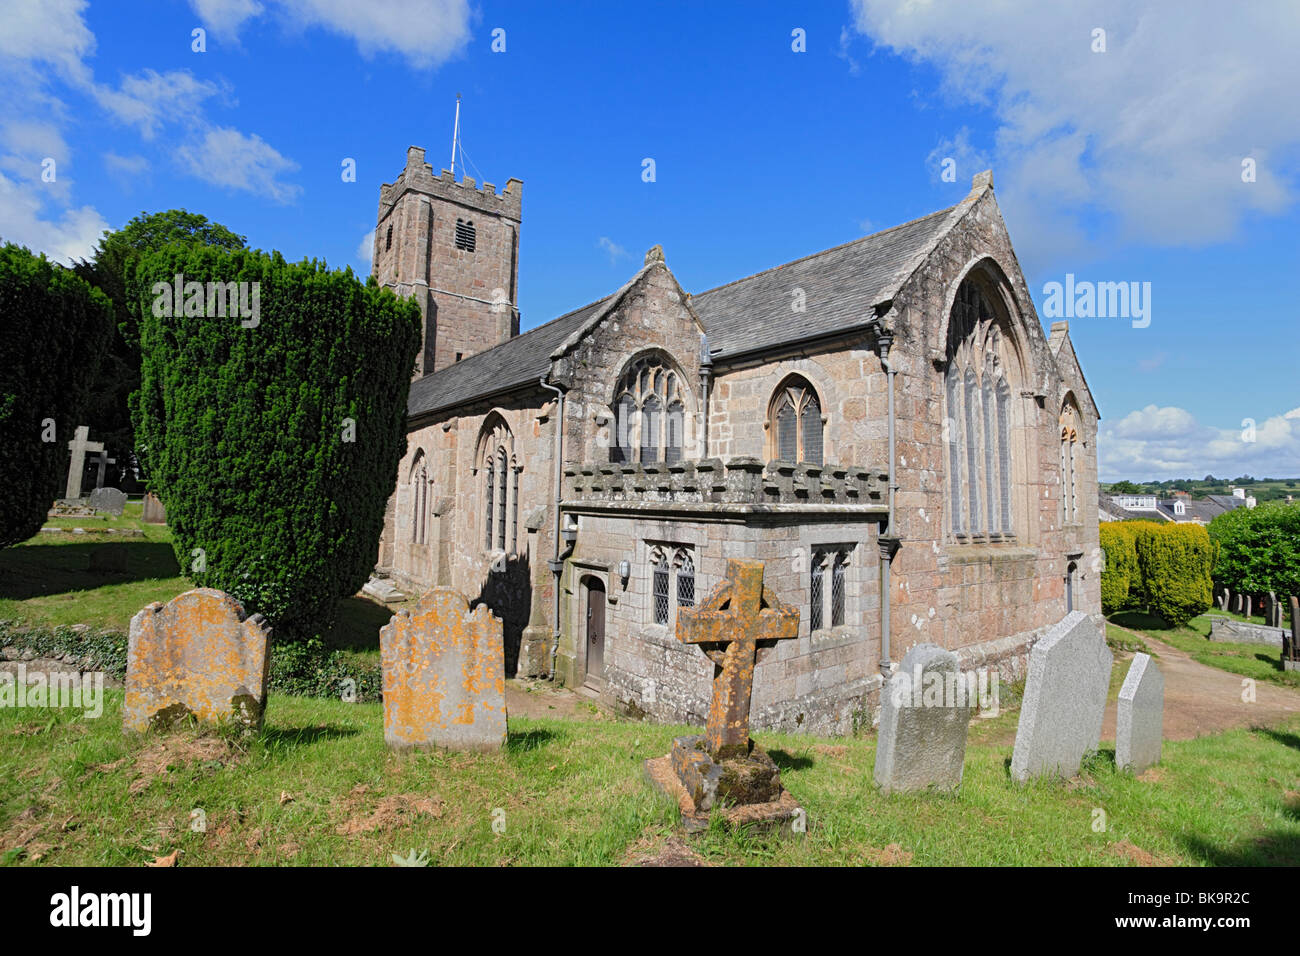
x=649, y=413
x=794, y=422
x=419, y=497
x=1069, y=421
x=978, y=419
x=499, y=471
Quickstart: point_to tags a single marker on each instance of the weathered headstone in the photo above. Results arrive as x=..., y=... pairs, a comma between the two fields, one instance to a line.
x=1222, y=600
x=722, y=768
x=108, y=501
x=444, y=675
x=1139, y=724
x=1273, y=614
x=384, y=590
x=924, y=713
x=153, y=512
x=197, y=654
x=1291, y=652
x=1236, y=602
x=1065, y=699
x=1246, y=609
x=79, y=445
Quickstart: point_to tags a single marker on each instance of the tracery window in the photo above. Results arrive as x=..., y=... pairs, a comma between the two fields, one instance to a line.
x=794, y=422
x=828, y=587
x=499, y=472
x=672, y=582
x=649, y=413
x=977, y=420
x=1069, y=421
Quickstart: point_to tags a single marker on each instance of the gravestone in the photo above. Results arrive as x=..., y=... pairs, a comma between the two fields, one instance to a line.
x=101, y=463
x=1065, y=699
x=444, y=675
x=1273, y=616
x=197, y=654
x=722, y=769
x=1139, y=725
x=1291, y=651
x=1236, y=603
x=1224, y=594
x=1246, y=609
x=108, y=501
x=79, y=445
x=153, y=512
x=924, y=713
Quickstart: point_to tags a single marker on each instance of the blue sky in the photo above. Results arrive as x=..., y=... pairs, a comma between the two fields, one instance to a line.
x=1122, y=164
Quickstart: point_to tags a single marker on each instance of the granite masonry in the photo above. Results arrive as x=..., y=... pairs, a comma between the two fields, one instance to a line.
x=1139, y=727
x=588, y=478
x=924, y=716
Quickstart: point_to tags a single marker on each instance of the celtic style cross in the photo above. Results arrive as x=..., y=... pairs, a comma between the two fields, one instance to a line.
x=728, y=626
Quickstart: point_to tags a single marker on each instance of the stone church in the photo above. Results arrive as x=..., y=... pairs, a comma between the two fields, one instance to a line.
x=883, y=423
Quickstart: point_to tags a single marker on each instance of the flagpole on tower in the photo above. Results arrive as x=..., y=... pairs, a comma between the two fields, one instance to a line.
x=455, y=137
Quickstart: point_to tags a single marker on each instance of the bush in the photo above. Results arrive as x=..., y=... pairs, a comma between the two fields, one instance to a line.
x=53, y=329
x=273, y=445
x=1175, y=561
x=1258, y=549
x=1121, y=585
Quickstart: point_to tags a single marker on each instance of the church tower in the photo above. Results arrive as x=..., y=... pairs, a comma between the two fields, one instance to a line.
x=455, y=248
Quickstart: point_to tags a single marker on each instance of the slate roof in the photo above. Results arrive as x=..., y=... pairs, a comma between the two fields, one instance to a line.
x=522, y=360
x=841, y=285
x=1195, y=509
x=1106, y=505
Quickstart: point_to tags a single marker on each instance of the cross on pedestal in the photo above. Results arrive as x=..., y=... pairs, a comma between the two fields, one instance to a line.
x=728, y=626
x=77, y=466
x=103, y=461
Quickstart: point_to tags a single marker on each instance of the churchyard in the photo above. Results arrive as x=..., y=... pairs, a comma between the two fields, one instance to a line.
x=320, y=781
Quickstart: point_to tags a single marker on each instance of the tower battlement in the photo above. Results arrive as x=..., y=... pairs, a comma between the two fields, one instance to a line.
x=454, y=247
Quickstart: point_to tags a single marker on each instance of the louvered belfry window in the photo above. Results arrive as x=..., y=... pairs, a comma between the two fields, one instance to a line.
x=466, y=237
x=795, y=422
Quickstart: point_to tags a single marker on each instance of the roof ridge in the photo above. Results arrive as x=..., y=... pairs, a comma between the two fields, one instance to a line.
x=814, y=255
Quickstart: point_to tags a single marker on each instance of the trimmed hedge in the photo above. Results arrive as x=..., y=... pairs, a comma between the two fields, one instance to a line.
x=53, y=329
x=1121, y=581
x=274, y=445
x=1175, y=562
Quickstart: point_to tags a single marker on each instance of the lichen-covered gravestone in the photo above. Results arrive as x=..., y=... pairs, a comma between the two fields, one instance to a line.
x=108, y=501
x=1065, y=699
x=924, y=713
x=1139, y=725
x=197, y=654
x=444, y=676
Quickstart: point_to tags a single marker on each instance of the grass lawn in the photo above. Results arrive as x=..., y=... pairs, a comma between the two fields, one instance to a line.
x=317, y=786
x=48, y=580
x=1257, y=661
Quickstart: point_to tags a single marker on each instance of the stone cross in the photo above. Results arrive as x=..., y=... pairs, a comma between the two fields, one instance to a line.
x=102, y=461
x=77, y=466
x=728, y=626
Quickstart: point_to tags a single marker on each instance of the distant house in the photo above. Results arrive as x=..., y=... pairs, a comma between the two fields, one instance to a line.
x=1181, y=509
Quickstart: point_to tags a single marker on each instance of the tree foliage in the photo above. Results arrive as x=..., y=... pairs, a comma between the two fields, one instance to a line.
x=108, y=413
x=1121, y=582
x=274, y=445
x=1258, y=549
x=53, y=329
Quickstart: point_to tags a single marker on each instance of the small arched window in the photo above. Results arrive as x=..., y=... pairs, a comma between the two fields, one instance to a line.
x=388, y=239
x=795, y=422
x=419, y=497
x=1069, y=463
x=499, y=472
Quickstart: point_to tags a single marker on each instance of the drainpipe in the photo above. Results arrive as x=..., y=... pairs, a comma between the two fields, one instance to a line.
x=706, y=377
x=888, y=543
x=556, y=564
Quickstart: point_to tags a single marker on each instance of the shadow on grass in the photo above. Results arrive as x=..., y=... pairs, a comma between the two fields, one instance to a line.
x=788, y=761
x=1281, y=737
x=1270, y=848
x=290, y=738
x=37, y=570
x=522, y=741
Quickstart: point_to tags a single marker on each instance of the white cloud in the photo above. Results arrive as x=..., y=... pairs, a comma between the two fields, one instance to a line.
x=426, y=32
x=1161, y=443
x=149, y=99
x=1150, y=134
x=226, y=157
x=49, y=31
x=612, y=249
x=72, y=235
x=366, y=250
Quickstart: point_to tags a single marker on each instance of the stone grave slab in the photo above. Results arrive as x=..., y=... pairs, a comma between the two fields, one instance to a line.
x=108, y=500
x=924, y=714
x=1139, y=726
